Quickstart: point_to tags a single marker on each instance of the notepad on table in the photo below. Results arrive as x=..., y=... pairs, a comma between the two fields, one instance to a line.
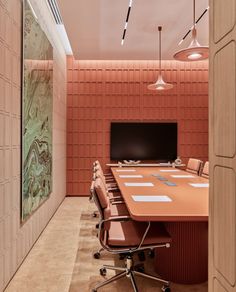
x=200, y=185
x=183, y=176
x=121, y=170
x=161, y=178
x=140, y=198
x=169, y=183
x=169, y=170
x=139, y=184
x=130, y=175
x=156, y=174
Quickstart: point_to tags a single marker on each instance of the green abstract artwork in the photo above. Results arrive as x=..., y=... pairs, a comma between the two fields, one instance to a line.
x=37, y=103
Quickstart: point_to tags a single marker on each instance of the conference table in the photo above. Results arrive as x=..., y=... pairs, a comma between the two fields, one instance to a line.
x=180, y=200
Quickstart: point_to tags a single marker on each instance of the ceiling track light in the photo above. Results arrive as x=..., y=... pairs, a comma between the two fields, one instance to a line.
x=195, y=52
x=160, y=84
x=126, y=22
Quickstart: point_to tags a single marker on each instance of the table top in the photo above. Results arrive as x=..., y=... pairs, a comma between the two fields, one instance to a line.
x=188, y=203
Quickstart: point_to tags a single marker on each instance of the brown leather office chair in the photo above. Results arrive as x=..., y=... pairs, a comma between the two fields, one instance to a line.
x=109, y=182
x=97, y=166
x=121, y=235
x=194, y=166
x=102, y=200
x=205, y=170
x=111, y=186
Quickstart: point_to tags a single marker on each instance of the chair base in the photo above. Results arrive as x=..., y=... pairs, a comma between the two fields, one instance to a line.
x=128, y=272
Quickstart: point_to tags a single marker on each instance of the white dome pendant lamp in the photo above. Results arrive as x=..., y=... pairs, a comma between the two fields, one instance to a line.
x=195, y=52
x=160, y=83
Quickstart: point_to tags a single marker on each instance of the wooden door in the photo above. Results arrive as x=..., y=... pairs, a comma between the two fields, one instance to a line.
x=222, y=111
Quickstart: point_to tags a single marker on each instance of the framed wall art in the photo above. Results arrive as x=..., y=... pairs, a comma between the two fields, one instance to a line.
x=37, y=109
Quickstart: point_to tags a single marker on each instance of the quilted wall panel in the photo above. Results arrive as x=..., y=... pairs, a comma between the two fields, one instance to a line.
x=103, y=91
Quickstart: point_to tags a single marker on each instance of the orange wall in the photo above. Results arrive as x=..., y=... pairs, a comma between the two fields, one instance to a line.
x=103, y=91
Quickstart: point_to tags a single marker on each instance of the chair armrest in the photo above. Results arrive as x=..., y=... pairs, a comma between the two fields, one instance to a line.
x=121, y=219
x=117, y=202
x=108, y=174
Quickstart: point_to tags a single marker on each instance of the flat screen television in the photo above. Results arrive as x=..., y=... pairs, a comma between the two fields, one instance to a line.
x=143, y=141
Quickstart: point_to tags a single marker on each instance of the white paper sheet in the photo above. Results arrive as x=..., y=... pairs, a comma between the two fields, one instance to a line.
x=137, y=184
x=139, y=198
x=183, y=176
x=130, y=175
x=200, y=185
x=121, y=170
x=169, y=170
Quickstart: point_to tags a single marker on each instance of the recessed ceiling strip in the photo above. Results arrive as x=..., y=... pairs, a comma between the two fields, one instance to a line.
x=126, y=22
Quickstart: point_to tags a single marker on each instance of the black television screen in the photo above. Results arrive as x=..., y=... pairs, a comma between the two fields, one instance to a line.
x=143, y=141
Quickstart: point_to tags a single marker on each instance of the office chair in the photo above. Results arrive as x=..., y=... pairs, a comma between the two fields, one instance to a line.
x=111, y=186
x=121, y=235
x=102, y=201
x=205, y=170
x=194, y=166
x=97, y=166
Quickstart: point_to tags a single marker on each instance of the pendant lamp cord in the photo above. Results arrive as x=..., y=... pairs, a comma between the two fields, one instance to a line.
x=159, y=29
x=194, y=24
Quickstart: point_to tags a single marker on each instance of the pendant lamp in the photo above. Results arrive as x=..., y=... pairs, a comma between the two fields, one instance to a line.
x=195, y=52
x=160, y=83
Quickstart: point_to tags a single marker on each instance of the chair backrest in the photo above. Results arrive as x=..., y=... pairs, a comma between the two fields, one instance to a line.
x=101, y=193
x=99, y=173
x=205, y=170
x=94, y=196
x=91, y=190
x=98, y=167
x=97, y=164
x=194, y=165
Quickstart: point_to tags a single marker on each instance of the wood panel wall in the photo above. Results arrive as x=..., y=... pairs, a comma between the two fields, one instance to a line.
x=103, y=91
x=222, y=243
x=17, y=239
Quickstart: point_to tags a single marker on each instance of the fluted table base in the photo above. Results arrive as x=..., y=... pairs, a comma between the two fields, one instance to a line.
x=186, y=261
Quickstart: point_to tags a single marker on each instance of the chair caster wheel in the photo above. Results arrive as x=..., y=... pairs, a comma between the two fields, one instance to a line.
x=97, y=255
x=121, y=257
x=139, y=268
x=151, y=254
x=94, y=215
x=141, y=256
x=94, y=290
x=165, y=289
x=103, y=272
x=97, y=226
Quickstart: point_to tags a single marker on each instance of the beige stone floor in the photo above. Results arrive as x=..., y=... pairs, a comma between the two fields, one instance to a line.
x=61, y=260
x=49, y=265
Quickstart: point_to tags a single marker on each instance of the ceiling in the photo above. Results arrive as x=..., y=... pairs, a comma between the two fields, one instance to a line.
x=95, y=27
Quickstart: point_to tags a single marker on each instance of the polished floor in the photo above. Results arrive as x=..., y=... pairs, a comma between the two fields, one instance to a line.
x=61, y=260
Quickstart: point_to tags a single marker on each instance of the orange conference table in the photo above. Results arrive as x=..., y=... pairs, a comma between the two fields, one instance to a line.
x=185, y=217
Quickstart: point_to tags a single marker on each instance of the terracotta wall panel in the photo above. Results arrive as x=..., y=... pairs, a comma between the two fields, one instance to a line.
x=103, y=91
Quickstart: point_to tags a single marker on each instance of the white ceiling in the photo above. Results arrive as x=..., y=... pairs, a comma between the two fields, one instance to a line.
x=95, y=27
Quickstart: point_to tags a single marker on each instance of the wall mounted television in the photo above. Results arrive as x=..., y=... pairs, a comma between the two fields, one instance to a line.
x=143, y=141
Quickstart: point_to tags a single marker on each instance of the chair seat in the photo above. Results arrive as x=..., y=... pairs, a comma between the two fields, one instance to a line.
x=111, y=185
x=113, y=195
x=130, y=233
x=118, y=210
